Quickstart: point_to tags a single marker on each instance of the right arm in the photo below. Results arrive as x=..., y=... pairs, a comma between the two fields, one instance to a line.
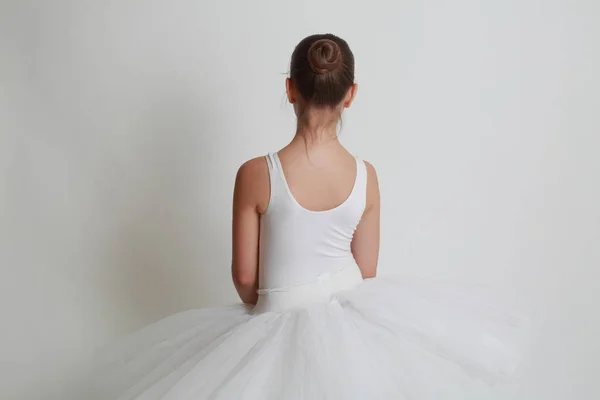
x=365, y=244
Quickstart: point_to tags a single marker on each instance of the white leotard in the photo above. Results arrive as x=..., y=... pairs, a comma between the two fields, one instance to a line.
x=297, y=245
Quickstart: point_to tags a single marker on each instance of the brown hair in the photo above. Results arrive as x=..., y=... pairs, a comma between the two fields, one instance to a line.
x=322, y=70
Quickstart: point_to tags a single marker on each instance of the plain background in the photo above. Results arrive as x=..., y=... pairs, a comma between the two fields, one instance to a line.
x=122, y=124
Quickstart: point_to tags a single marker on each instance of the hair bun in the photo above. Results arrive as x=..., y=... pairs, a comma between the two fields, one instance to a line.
x=324, y=56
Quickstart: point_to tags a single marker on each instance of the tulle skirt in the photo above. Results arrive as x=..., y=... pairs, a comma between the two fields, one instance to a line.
x=338, y=337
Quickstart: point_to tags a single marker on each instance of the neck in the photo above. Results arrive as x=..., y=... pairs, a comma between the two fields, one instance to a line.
x=318, y=136
x=315, y=144
x=318, y=126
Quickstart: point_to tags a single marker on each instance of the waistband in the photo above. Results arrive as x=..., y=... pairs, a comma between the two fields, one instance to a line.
x=319, y=290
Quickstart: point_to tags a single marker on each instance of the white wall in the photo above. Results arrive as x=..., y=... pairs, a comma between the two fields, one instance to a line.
x=122, y=124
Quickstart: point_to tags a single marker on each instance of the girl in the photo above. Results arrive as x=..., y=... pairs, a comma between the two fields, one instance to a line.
x=315, y=323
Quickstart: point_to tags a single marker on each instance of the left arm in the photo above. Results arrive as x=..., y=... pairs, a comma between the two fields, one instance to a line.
x=248, y=201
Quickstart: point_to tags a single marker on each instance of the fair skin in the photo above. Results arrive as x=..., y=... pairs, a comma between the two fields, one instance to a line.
x=320, y=173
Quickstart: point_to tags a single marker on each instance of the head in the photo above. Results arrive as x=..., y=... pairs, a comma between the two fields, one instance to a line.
x=321, y=82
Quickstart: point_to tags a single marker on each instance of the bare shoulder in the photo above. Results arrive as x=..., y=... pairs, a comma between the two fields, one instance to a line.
x=252, y=183
x=253, y=168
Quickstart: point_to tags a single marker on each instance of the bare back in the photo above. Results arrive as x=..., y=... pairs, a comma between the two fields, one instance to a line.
x=320, y=180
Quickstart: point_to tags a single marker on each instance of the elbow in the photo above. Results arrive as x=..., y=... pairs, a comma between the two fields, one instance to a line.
x=369, y=272
x=246, y=285
x=243, y=279
x=369, y=275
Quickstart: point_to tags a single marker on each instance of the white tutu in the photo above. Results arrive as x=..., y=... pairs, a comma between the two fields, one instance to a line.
x=337, y=338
